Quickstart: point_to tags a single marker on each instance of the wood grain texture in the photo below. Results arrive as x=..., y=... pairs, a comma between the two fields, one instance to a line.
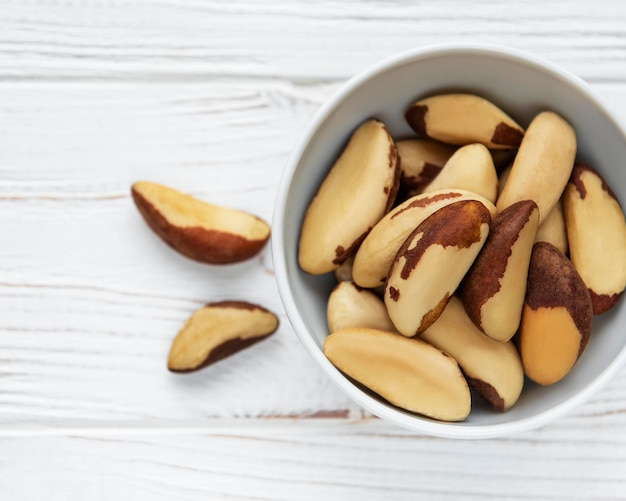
x=195, y=39
x=318, y=459
x=210, y=97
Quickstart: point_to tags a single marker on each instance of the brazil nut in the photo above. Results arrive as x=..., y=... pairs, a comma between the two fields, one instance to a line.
x=542, y=165
x=596, y=232
x=432, y=262
x=464, y=119
x=409, y=373
x=356, y=193
x=492, y=368
x=377, y=252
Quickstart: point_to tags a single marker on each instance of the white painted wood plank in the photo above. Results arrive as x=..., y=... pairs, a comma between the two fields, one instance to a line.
x=318, y=459
x=227, y=141
x=98, y=355
x=194, y=39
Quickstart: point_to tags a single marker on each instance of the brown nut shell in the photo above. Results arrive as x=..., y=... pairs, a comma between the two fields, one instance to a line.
x=493, y=289
x=557, y=316
x=355, y=194
x=377, y=252
x=464, y=119
x=596, y=231
x=493, y=369
x=352, y=306
x=218, y=330
x=420, y=162
x=432, y=262
x=542, y=165
x=469, y=168
x=408, y=373
x=201, y=231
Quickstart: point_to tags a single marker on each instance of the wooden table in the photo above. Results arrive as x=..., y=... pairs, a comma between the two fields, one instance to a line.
x=210, y=97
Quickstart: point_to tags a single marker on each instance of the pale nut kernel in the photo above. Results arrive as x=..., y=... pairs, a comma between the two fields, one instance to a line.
x=553, y=229
x=201, y=231
x=420, y=161
x=556, y=318
x=355, y=194
x=432, y=262
x=408, y=373
x=493, y=369
x=461, y=119
x=493, y=289
x=352, y=306
x=378, y=251
x=218, y=330
x=596, y=231
x=469, y=168
x=542, y=165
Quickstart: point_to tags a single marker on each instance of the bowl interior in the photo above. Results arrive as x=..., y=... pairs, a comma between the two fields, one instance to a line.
x=522, y=86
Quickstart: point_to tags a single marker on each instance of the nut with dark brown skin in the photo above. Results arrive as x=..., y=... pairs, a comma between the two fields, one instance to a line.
x=557, y=316
x=218, y=330
x=432, y=262
x=596, y=232
x=378, y=251
x=493, y=289
x=493, y=369
x=201, y=231
x=464, y=119
x=408, y=373
x=355, y=194
x=542, y=165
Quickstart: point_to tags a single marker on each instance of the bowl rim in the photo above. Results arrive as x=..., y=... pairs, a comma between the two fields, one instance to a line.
x=415, y=422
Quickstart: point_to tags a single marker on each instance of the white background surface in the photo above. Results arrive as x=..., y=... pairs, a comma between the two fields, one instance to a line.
x=209, y=98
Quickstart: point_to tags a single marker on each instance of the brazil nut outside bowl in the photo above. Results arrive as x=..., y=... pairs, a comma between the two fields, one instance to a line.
x=522, y=85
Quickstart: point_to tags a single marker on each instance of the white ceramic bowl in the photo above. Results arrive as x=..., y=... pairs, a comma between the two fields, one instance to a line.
x=520, y=84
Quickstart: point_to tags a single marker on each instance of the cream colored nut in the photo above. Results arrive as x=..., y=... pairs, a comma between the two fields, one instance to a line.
x=432, y=262
x=357, y=192
x=542, y=165
x=199, y=230
x=464, y=119
x=218, y=330
x=351, y=306
x=597, y=236
x=470, y=168
x=420, y=161
x=493, y=289
x=493, y=369
x=406, y=372
x=557, y=315
x=553, y=229
x=377, y=252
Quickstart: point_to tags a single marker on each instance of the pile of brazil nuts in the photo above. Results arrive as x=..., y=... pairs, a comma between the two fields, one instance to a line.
x=216, y=235
x=473, y=255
